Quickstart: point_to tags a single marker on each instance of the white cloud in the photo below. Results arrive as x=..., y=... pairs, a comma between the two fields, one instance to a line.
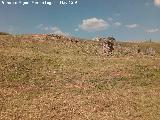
x=132, y=26
x=94, y=24
x=51, y=29
x=110, y=19
x=76, y=29
x=157, y=3
x=146, y=4
x=40, y=26
x=152, y=30
x=61, y=33
x=57, y=30
x=114, y=23
x=46, y=28
x=117, y=24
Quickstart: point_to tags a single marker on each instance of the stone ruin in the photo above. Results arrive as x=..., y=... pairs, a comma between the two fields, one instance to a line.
x=150, y=51
x=111, y=47
x=50, y=36
x=107, y=44
x=53, y=36
x=63, y=38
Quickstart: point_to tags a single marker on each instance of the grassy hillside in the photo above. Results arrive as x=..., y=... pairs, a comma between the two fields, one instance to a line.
x=60, y=80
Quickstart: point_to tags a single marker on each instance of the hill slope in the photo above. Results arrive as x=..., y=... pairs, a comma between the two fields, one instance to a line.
x=66, y=80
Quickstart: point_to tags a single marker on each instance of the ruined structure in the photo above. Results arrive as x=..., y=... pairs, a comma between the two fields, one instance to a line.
x=53, y=36
x=107, y=44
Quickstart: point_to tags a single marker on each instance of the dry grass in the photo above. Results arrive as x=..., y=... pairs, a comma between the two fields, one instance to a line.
x=65, y=81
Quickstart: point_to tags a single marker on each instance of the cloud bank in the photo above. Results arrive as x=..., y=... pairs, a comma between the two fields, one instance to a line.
x=52, y=29
x=94, y=24
x=132, y=26
x=157, y=3
x=152, y=30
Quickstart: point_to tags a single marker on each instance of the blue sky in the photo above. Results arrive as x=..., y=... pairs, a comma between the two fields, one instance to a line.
x=124, y=19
